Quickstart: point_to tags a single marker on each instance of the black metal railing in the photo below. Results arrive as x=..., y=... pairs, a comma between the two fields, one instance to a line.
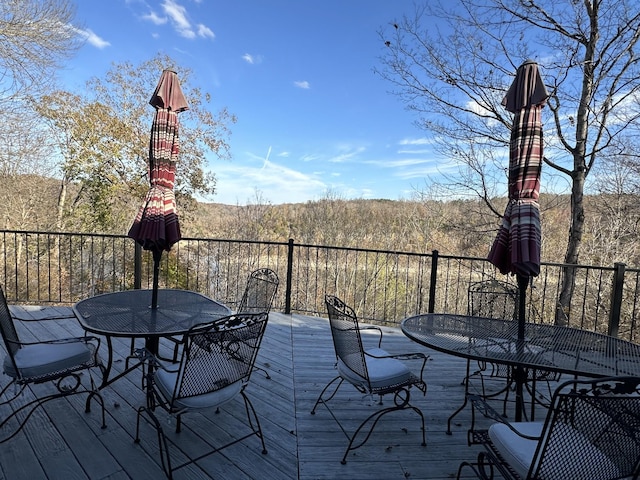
x=382, y=286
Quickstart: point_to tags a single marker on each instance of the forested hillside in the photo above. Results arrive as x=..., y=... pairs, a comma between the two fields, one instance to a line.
x=454, y=227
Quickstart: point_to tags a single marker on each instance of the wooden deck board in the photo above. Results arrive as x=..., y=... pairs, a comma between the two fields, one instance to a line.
x=64, y=442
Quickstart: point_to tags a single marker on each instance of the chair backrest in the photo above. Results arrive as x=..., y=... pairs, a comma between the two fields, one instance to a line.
x=8, y=329
x=260, y=291
x=493, y=299
x=592, y=431
x=346, y=335
x=219, y=353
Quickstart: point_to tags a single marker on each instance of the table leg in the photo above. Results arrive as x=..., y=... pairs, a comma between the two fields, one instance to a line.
x=464, y=404
x=152, y=344
x=106, y=372
x=519, y=375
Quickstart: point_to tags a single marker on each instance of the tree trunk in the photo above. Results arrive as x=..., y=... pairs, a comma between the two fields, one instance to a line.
x=62, y=197
x=563, y=309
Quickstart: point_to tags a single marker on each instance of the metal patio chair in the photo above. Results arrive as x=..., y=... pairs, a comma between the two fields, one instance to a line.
x=258, y=296
x=496, y=299
x=371, y=371
x=591, y=432
x=214, y=368
x=60, y=361
x=261, y=289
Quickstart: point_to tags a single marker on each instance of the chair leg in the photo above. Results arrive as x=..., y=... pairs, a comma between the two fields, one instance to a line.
x=18, y=391
x=163, y=443
x=373, y=420
x=254, y=422
x=33, y=405
x=321, y=400
x=263, y=370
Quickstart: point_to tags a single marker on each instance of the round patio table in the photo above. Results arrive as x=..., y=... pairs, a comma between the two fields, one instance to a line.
x=129, y=314
x=545, y=347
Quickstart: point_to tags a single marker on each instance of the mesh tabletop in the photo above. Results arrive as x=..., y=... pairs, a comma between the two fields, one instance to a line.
x=129, y=313
x=545, y=347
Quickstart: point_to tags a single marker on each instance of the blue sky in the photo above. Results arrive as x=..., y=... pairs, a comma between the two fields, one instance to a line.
x=312, y=116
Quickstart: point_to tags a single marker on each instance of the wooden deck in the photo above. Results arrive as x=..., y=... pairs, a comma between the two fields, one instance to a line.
x=63, y=442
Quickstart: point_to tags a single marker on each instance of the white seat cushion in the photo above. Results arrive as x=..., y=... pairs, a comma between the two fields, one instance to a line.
x=166, y=382
x=43, y=359
x=519, y=452
x=383, y=372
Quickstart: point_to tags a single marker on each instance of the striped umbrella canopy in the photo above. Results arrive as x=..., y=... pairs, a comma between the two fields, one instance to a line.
x=156, y=226
x=516, y=248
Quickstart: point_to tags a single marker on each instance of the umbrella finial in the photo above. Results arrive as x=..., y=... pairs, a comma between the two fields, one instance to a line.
x=168, y=93
x=527, y=88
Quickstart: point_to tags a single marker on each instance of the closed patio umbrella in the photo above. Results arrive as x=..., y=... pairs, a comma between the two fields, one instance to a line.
x=516, y=248
x=156, y=225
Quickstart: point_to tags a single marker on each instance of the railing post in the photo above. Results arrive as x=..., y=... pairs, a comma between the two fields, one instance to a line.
x=137, y=266
x=432, y=283
x=616, y=298
x=287, y=293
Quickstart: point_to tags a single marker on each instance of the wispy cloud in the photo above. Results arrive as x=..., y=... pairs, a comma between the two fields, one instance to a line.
x=205, y=32
x=237, y=183
x=348, y=153
x=155, y=19
x=411, y=151
x=302, y=84
x=405, y=162
x=92, y=38
x=252, y=59
x=415, y=141
x=177, y=15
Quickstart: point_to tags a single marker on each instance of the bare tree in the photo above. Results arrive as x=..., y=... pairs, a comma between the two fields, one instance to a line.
x=452, y=62
x=35, y=37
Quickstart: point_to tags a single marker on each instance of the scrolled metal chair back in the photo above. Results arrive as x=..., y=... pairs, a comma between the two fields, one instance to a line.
x=345, y=331
x=260, y=291
x=592, y=431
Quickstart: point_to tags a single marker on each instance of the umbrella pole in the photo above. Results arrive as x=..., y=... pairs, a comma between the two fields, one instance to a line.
x=523, y=282
x=519, y=372
x=157, y=256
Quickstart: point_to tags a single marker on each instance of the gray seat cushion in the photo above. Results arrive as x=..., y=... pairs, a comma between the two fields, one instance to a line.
x=44, y=359
x=519, y=452
x=383, y=372
x=167, y=381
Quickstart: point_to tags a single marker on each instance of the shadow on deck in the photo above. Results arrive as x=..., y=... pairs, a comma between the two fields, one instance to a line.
x=63, y=442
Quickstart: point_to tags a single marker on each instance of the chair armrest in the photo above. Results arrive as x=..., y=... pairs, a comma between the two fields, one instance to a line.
x=373, y=327
x=162, y=364
x=483, y=406
x=85, y=339
x=405, y=356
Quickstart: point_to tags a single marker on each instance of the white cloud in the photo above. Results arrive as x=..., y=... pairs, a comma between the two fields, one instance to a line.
x=155, y=19
x=406, y=162
x=409, y=151
x=302, y=84
x=310, y=157
x=92, y=38
x=205, y=32
x=415, y=141
x=349, y=153
x=178, y=15
x=247, y=57
x=280, y=184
